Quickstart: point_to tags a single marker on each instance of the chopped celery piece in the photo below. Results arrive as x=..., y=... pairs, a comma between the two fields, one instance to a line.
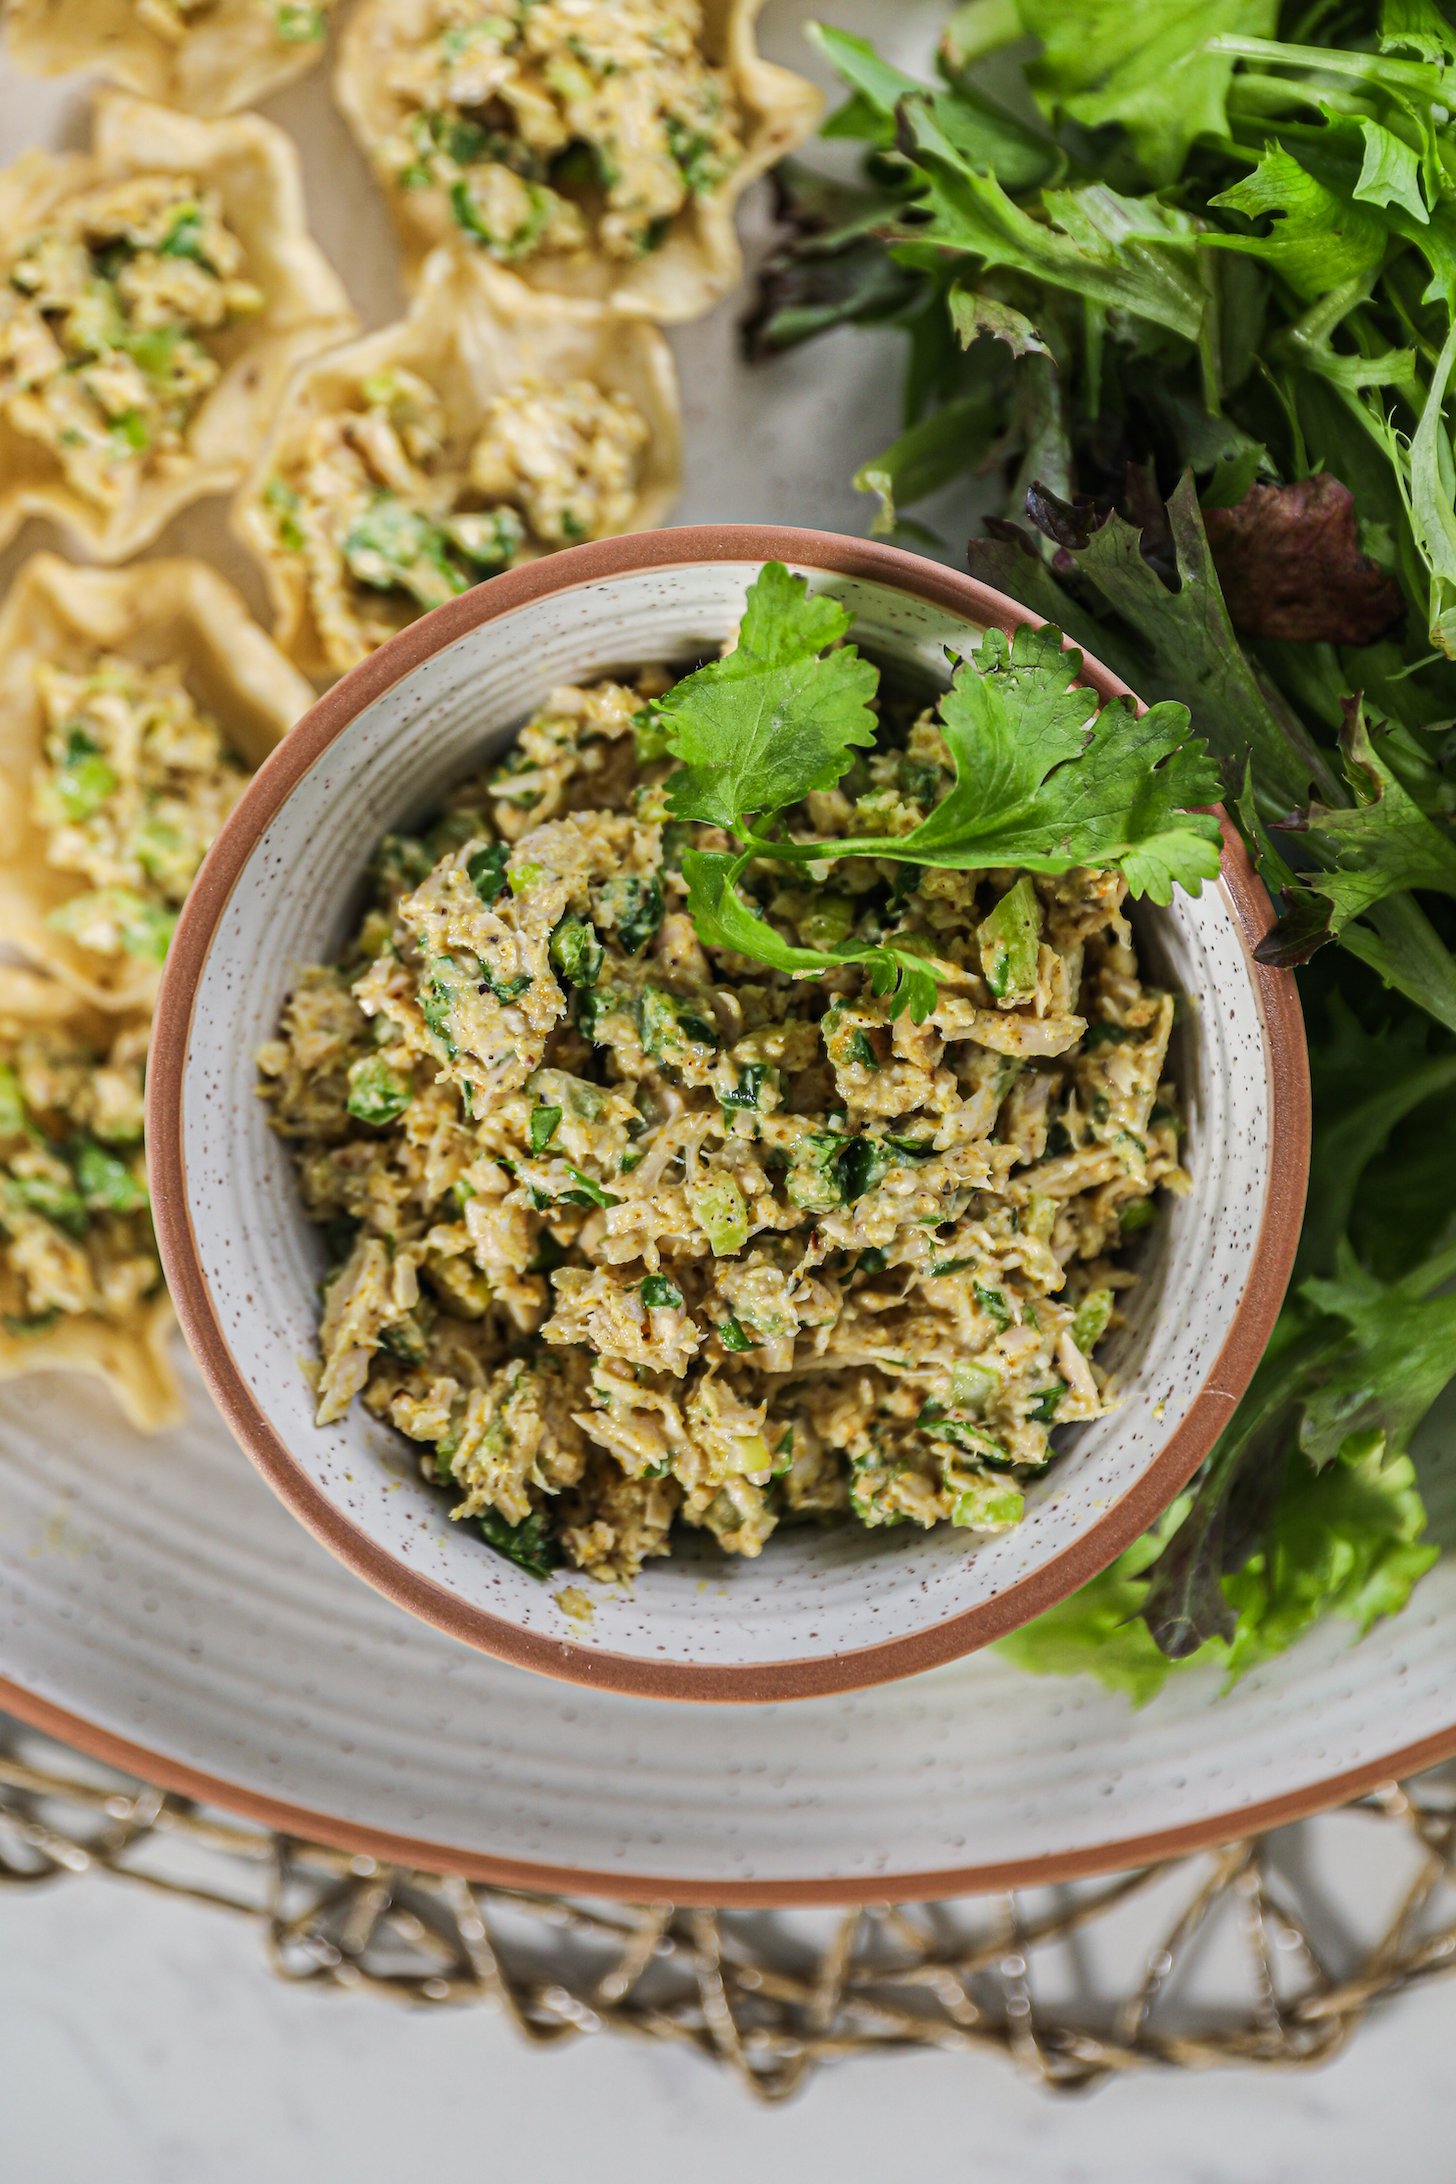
x=1009, y=940
x=720, y=1213
x=1090, y=1324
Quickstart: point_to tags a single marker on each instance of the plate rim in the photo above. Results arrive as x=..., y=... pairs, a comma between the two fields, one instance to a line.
x=1285, y=1056
x=357, y=1839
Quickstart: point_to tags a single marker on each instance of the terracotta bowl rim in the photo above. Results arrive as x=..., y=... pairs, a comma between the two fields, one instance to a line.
x=756, y=1682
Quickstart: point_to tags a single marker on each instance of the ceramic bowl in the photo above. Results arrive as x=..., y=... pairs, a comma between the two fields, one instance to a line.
x=819, y=1610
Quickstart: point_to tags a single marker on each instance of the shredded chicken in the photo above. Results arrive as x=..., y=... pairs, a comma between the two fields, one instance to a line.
x=631, y=1237
x=553, y=125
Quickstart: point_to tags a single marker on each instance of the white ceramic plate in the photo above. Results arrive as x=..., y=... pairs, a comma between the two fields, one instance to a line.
x=158, y=1606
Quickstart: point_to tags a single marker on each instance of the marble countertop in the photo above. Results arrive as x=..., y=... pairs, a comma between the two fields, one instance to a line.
x=144, y=2042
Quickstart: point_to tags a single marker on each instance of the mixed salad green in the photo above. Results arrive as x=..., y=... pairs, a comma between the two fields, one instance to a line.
x=1179, y=278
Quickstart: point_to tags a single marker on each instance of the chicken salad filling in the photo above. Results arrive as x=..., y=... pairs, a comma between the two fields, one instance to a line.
x=295, y=22
x=387, y=516
x=632, y=1233
x=554, y=126
x=109, y=322
x=75, y=1226
x=133, y=787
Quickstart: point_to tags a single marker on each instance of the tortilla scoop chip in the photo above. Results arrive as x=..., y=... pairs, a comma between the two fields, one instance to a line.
x=700, y=260
x=132, y=1357
x=153, y=613
x=233, y=55
x=254, y=169
x=471, y=333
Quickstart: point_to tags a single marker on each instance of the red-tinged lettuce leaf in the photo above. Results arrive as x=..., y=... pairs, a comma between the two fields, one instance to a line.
x=828, y=268
x=1290, y=565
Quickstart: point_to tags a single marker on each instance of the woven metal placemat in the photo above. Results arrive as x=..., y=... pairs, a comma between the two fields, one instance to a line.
x=1071, y=1983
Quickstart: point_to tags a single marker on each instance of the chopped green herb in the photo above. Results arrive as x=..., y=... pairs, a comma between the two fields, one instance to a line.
x=659, y=1294
x=588, y=1192
x=732, y=1334
x=543, y=1127
x=814, y=1181
x=667, y=1020
x=487, y=871
x=1010, y=941
x=747, y=1087
x=298, y=24
x=437, y=1002
x=993, y=1303
x=105, y=1182
x=576, y=953
x=30, y=1323
x=1044, y=1409
x=863, y=1163
x=530, y=1544
x=634, y=907
x=48, y=1196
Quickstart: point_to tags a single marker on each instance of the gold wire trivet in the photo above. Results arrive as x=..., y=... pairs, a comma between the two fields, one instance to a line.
x=767, y=1996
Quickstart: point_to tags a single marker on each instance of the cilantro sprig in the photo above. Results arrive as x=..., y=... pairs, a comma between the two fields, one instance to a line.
x=1044, y=777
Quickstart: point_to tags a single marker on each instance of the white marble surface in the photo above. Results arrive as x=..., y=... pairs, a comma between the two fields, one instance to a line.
x=142, y=2042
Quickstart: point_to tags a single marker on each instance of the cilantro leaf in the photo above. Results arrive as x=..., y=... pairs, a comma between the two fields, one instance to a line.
x=897, y=967
x=778, y=716
x=1046, y=781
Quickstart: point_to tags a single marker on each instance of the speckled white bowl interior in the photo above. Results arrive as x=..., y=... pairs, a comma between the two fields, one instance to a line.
x=814, y=1595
